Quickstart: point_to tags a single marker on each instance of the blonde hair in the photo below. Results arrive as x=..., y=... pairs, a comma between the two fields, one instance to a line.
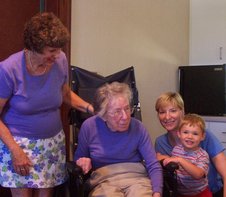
x=193, y=120
x=169, y=97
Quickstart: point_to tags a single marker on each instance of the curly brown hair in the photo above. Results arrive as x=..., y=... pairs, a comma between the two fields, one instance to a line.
x=45, y=29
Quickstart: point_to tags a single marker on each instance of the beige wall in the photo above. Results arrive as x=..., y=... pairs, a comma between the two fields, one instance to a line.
x=151, y=35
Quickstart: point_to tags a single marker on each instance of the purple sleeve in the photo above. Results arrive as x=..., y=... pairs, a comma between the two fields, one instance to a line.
x=6, y=84
x=152, y=164
x=82, y=149
x=63, y=63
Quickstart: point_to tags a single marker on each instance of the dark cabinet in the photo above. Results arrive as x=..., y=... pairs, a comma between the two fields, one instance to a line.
x=203, y=89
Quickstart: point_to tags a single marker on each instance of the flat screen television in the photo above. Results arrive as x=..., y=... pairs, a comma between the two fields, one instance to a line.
x=203, y=89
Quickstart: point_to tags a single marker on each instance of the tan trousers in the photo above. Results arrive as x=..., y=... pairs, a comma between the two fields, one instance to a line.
x=120, y=180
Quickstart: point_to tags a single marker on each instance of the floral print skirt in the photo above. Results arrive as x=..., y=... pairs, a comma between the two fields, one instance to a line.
x=48, y=157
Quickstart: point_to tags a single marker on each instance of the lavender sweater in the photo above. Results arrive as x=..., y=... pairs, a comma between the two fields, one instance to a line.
x=104, y=147
x=33, y=108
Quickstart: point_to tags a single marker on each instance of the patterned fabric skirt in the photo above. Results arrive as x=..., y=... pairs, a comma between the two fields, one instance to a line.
x=48, y=157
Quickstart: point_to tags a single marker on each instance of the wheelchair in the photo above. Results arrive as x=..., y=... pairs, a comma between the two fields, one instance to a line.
x=85, y=83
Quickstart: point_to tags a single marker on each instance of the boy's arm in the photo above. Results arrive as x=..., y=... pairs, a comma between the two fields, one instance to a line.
x=161, y=156
x=195, y=171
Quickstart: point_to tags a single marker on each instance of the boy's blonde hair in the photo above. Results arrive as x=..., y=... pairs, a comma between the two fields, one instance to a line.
x=192, y=120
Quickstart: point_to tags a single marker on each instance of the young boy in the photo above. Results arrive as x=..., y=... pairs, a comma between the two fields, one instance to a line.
x=193, y=161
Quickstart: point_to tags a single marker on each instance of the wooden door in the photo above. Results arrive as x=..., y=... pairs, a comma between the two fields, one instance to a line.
x=62, y=9
x=13, y=16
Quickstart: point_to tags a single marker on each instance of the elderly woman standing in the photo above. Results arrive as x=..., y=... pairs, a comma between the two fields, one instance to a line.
x=118, y=148
x=33, y=84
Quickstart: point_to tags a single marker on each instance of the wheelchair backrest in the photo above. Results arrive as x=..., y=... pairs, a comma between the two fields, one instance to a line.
x=84, y=83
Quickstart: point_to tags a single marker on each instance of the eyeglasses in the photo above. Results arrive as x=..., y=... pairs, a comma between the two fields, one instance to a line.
x=119, y=112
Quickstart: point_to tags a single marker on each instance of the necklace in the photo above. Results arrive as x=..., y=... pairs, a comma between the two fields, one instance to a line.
x=32, y=67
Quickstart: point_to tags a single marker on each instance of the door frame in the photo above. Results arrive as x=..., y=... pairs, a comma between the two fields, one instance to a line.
x=62, y=9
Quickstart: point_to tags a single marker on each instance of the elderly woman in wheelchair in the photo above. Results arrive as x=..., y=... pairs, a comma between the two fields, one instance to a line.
x=118, y=148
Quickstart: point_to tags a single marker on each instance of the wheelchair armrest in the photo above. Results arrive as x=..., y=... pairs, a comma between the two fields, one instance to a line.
x=77, y=180
x=73, y=168
x=170, y=179
x=76, y=172
x=171, y=166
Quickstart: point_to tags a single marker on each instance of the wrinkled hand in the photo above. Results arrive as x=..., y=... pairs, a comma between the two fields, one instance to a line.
x=156, y=195
x=21, y=163
x=85, y=164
